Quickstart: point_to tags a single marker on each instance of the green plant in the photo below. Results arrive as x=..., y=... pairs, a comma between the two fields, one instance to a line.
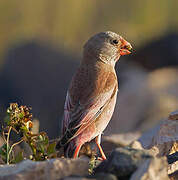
x=19, y=120
x=92, y=164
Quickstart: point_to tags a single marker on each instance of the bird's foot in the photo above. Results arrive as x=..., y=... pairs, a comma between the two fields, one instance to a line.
x=101, y=158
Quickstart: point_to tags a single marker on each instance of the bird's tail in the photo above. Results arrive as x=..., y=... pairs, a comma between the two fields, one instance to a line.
x=69, y=148
x=68, y=145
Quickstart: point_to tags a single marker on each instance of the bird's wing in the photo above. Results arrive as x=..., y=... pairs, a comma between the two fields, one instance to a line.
x=78, y=117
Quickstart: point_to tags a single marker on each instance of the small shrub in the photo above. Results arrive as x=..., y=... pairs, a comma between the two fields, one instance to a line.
x=19, y=120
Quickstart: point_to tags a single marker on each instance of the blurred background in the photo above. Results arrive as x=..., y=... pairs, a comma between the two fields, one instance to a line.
x=41, y=45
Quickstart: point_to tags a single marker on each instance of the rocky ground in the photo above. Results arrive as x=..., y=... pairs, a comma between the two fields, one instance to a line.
x=131, y=156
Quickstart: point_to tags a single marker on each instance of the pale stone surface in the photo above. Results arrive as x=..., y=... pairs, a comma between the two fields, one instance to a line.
x=122, y=139
x=163, y=138
x=110, y=142
x=53, y=169
x=136, y=145
x=151, y=169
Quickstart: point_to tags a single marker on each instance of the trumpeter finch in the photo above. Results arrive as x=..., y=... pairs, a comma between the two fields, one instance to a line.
x=92, y=93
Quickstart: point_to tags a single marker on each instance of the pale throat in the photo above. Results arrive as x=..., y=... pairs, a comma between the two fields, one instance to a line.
x=110, y=60
x=91, y=58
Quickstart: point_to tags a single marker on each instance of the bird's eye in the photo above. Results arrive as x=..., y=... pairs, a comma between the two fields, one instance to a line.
x=115, y=41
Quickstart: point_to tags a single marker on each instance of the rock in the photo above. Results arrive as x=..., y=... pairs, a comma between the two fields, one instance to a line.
x=123, y=162
x=143, y=99
x=52, y=169
x=113, y=141
x=136, y=145
x=75, y=178
x=151, y=169
x=103, y=176
x=162, y=141
x=163, y=138
x=122, y=139
x=98, y=176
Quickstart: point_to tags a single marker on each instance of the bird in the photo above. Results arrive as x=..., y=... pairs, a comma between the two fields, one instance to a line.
x=91, y=96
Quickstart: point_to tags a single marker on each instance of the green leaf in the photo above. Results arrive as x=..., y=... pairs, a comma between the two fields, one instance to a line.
x=51, y=148
x=24, y=129
x=46, y=140
x=42, y=138
x=41, y=148
x=21, y=115
x=92, y=164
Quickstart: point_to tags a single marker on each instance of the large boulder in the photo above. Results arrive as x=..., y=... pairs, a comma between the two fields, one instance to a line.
x=163, y=138
x=52, y=169
x=123, y=162
x=98, y=176
x=113, y=141
x=151, y=169
x=162, y=141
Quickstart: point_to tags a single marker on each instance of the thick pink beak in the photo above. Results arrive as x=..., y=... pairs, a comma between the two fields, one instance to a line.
x=125, y=47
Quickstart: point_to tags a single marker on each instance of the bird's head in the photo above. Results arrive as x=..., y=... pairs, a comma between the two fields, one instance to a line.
x=106, y=47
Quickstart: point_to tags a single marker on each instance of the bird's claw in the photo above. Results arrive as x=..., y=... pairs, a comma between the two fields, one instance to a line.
x=101, y=158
